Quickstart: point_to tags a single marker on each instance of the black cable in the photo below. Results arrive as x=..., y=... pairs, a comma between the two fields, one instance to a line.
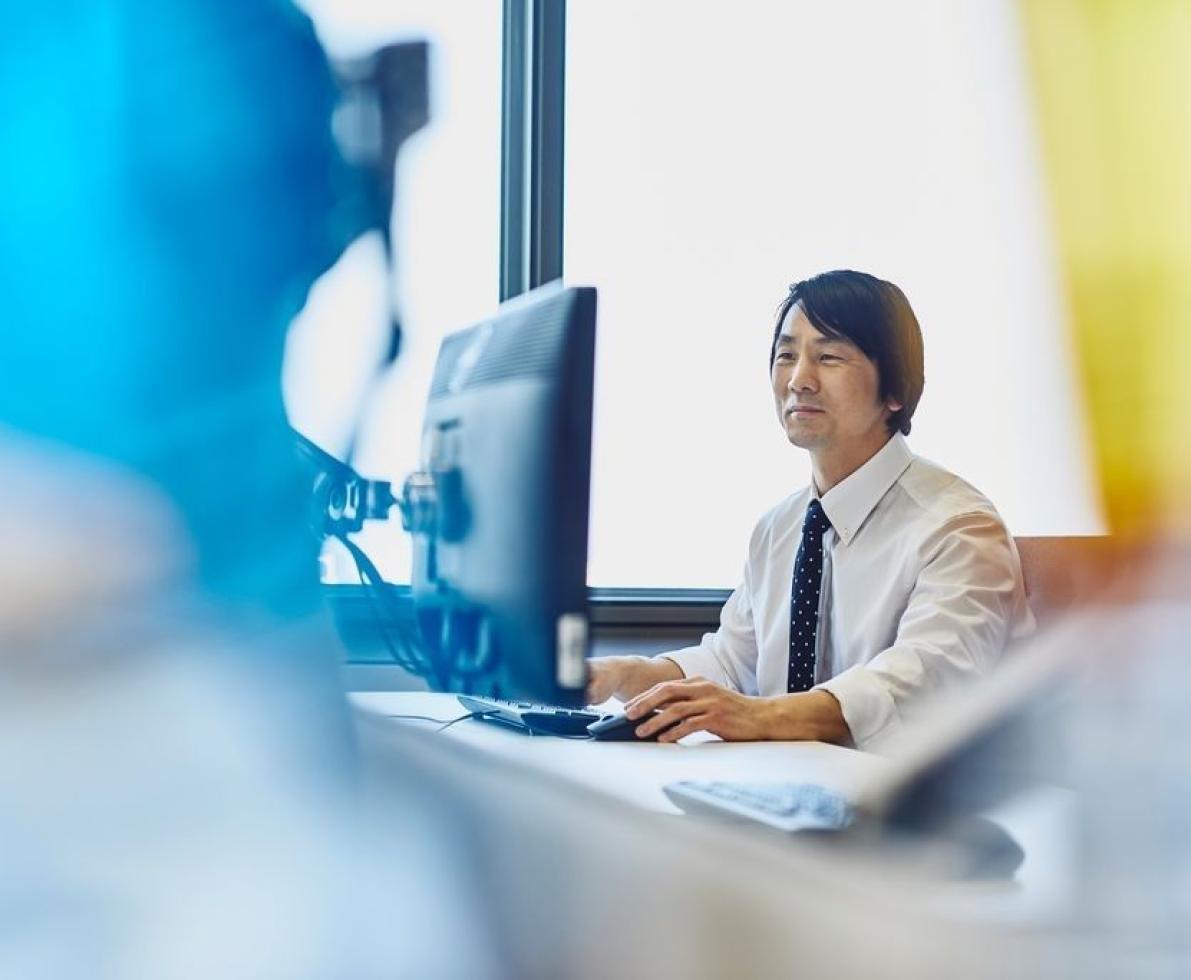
x=364, y=564
x=445, y=723
x=470, y=714
x=437, y=721
x=365, y=568
x=416, y=657
x=370, y=578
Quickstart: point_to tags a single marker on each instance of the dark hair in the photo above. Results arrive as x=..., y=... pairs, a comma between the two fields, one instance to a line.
x=874, y=315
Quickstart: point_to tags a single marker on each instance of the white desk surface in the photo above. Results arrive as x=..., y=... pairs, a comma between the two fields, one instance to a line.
x=636, y=771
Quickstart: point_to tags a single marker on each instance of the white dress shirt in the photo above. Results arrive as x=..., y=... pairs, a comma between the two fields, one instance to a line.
x=922, y=588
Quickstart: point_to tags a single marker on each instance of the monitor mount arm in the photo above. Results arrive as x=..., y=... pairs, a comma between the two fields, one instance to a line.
x=430, y=502
x=455, y=636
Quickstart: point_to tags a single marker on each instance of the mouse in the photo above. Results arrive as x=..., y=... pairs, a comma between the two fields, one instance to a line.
x=619, y=728
x=985, y=850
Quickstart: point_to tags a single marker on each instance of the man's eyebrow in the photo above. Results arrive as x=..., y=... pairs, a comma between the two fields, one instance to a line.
x=819, y=340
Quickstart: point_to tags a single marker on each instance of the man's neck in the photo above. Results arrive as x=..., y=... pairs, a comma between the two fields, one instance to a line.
x=829, y=469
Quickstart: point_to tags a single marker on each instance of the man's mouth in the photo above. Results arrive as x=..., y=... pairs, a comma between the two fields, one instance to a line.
x=803, y=410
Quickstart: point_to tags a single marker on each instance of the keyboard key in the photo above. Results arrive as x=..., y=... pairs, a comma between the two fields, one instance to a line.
x=786, y=806
x=534, y=719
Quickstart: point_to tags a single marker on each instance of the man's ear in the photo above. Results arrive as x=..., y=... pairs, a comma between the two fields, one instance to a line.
x=893, y=405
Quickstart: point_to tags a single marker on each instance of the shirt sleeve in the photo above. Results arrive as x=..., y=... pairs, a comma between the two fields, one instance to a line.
x=728, y=656
x=966, y=599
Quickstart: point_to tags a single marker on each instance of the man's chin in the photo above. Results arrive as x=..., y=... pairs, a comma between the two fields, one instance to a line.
x=803, y=439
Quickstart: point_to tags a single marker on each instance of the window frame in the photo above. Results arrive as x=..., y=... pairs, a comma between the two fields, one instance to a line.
x=531, y=220
x=533, y=106
x=533, y=110
x=628, y=618
x=533, y=131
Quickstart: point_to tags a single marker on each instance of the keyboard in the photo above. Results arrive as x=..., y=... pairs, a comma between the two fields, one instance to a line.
x=784, y=806
x=534, y=719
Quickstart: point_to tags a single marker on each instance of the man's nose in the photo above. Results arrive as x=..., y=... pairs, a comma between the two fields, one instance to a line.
x=803, y=377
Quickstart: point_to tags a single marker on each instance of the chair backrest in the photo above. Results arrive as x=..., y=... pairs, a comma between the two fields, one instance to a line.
x=1063, y=572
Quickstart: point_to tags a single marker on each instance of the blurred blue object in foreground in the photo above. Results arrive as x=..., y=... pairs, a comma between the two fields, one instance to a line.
x=173, y=739
x=169, y=194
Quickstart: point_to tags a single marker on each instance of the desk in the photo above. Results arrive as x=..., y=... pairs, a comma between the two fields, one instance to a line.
x=635, y=772
x=589, y=873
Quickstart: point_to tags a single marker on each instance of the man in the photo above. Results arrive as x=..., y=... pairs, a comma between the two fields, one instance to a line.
x=885, y=580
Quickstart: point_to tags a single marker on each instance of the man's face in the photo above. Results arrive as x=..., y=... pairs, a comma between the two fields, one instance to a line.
x=827, y=392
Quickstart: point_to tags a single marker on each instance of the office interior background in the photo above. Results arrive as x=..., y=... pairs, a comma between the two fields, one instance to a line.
x=711, y=157
x=175, y=778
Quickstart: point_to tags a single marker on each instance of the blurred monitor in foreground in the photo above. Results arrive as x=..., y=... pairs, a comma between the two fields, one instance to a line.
x=499, y=577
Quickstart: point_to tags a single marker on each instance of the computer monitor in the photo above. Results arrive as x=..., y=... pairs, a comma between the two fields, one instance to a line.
x=500, y=578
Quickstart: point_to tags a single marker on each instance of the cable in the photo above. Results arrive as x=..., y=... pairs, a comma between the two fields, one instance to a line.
x=437, y=721
x=470, y=714
x=408, y=657
x=445, y=723
x=435, y=663
x=366, y=570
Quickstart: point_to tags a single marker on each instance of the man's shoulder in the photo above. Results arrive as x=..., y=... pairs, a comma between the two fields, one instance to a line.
x=941, y=495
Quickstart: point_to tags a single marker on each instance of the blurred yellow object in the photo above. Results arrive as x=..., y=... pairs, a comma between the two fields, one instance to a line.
x=1113, y=91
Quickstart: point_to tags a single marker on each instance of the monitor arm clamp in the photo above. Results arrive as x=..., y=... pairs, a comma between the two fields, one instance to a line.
x=430, y=502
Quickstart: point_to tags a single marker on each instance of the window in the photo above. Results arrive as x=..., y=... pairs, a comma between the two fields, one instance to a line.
x=447, y=247
x=713, y=155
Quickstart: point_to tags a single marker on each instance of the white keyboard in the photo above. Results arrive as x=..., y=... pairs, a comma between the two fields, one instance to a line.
x=784, y=806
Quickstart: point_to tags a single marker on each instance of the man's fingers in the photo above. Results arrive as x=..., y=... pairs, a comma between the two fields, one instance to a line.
x=668, y=691
x=658, y=695
x=674, y=713
x=696, y=722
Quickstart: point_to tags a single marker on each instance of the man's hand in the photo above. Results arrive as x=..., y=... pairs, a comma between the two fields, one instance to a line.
x=697, y=705
x=626, y=677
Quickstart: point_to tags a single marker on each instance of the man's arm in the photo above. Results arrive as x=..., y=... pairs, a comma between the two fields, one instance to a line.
x=728, y=656
x=707, y=687
x=626, y=677
x=956, y=624
x=698, y=705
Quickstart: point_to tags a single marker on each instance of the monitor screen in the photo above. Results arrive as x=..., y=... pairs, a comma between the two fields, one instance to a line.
x=500, y=578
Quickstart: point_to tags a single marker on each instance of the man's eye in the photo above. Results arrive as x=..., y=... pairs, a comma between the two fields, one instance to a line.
x=830, y=357
x=784, y=355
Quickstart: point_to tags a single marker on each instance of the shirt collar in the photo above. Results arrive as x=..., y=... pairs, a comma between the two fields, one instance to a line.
x=850, y=501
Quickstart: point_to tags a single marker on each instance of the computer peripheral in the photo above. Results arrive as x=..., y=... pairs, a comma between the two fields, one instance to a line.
x=499, y=508
x=783, y=806
x=547, y=719
x=532, y=719
x=619, y=728
x=978, y=848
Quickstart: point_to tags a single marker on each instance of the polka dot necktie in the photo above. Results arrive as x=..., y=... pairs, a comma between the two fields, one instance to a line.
x=804, y=599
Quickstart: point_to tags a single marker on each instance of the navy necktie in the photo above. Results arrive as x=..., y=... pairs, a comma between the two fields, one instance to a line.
x=804, y=599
